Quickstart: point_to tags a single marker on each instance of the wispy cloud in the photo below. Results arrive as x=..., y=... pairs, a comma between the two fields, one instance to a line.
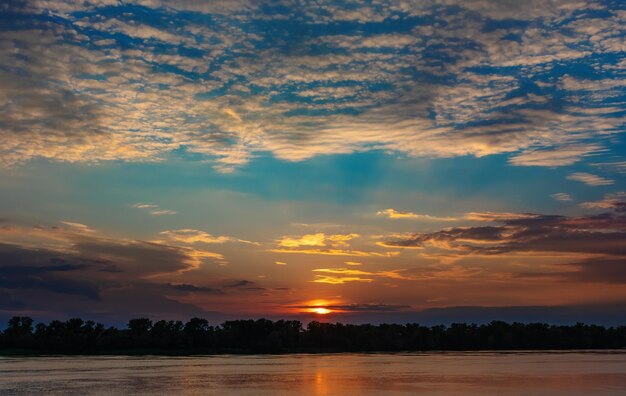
x=144, y=206
x=617, y=167
x=78, y=226
x=498, y=216
x=338, y=276
x=162, y=212
x=590, y=179
x=340, y=280
x=191, y=236
x=154, y=210
x=563, y=197
x=336, y=252
x=396, y=214
x=562, y=156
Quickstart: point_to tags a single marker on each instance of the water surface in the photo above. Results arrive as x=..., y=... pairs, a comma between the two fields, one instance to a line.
x=476, y=373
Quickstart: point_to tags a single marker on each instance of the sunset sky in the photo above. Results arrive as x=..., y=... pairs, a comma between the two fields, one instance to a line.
x=348, y=161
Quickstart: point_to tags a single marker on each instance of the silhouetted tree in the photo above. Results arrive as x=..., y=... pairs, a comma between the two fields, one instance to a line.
x=265, y=336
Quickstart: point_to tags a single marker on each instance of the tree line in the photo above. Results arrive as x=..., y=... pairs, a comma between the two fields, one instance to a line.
x=197, y=336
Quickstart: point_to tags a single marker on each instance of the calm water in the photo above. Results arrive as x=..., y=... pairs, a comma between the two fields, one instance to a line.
x=529, y=373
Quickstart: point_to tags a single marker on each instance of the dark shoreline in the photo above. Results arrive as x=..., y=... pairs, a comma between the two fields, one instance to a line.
x=174, y=354
x=142, y=337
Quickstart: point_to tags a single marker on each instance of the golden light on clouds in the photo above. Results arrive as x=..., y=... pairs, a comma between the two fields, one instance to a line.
x=318, y=239
x=399, y=214
x=305, y=240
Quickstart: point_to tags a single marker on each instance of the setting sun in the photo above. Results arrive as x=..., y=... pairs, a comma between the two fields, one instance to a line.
x=321, y=311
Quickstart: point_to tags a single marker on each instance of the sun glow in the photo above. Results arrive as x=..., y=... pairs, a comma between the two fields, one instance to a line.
x=321, y=311
x=319, y=306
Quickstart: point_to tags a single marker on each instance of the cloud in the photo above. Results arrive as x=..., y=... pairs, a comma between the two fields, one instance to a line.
x=559, y=157
x=245, y=285
x=318, y=239
x=337, y=276
x=395, y=246
x=241, y=283
x=395, y=214
x=154, y=209
x=335, y=252
x=144, y=206
x=615, y=201
x=340, y=280
x=117, y=86
x=162, y=212
x=132, y=257
x=590, y=179
x=617, y=167
x=191, y=236
x=496, y=216
x=563, y=197
x=66, y=271
x=598, y=234
x=573, y=84
x=78, y=226
x=186, y=287
x=340, y=240
x=136, y=30
x=45, y=276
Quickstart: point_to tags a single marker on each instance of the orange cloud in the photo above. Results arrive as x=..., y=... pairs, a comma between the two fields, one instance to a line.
x=336, y=276
x=397, y=214
x=305, y=240
x=497, y=216
x=336, y=252
x=318, y=239
x=335, y=280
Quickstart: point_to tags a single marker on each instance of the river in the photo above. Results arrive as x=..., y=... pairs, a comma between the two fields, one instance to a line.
x=438, y=373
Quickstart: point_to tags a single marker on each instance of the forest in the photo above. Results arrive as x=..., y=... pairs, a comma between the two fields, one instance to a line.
x=197, y=336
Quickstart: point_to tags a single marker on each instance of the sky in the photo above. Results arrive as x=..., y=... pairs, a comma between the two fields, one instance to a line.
x=378, y=161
